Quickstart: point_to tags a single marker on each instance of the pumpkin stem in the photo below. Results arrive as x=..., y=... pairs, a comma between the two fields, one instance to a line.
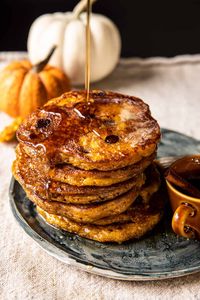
x=40, y=66
x=80, y=7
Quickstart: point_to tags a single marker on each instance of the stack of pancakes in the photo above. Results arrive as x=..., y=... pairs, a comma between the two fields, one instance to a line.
x=88, y=166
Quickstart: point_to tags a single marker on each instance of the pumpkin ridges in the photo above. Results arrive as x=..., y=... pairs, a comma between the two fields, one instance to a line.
x=10, y=86
x=67, y=31
x=51, y=84
x=34, y=40
x=48, y=68
x=23, y=90
x=62, y=79
x=15, y=65
x=26, y=64
x=33, y=94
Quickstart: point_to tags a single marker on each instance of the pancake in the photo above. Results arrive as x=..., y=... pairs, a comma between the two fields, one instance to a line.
x=110, y=132
x=145, y=194
x=75, y=176
x=66, y=173
x=31, y=180
x=86, y=213
x=151, y=186
x=144, y=219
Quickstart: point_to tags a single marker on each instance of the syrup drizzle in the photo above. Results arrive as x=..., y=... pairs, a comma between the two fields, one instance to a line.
x=87, y=58
x=79, y=113
x=111, y=138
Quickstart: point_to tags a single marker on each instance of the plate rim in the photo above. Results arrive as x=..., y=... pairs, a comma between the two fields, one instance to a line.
x=63, y=256
x=41, y=241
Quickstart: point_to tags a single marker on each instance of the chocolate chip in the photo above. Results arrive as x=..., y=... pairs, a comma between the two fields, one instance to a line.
x=32, y=136
x=112, y=139
x=41, y=123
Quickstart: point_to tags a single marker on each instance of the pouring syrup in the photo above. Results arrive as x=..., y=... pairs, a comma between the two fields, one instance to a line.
x=87, y=58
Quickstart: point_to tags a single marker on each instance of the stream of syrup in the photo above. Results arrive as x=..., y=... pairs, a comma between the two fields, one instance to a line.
x=87, y=58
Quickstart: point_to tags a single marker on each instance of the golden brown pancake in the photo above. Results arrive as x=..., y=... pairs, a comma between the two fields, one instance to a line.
x=144, y=219
x=86, y=213
x=32, y=181
x=74, y=176
x=84, y=164
x=152, y=187
x=110, y=132
x=104, y=212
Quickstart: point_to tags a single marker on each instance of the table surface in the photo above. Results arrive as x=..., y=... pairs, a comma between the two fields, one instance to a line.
x=171, y=88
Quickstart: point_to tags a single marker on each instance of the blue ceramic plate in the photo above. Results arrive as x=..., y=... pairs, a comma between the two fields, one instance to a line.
x=160, y=254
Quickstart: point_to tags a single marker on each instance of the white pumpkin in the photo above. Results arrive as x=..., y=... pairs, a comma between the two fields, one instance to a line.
x=67, y=31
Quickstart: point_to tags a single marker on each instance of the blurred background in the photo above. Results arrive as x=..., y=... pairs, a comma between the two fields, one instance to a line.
x=148, y=28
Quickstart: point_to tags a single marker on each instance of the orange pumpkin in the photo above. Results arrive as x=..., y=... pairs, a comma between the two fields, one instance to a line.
x=24, y=87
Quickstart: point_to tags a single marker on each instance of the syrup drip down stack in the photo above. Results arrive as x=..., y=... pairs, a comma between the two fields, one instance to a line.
x=88, y=166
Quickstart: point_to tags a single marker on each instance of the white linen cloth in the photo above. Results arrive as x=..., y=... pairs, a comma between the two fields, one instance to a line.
x=172, y=89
